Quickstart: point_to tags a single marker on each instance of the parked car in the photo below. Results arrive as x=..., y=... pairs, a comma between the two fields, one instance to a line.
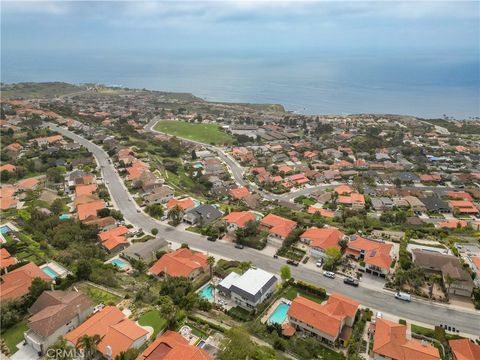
x=239, y=246
x=350, y=281
x=292, y=262
x=329, y=274
x=212, y=238
x=319, y=263
x=163, y=218
x=379, y=315
x=403, y=296
x=275, y=256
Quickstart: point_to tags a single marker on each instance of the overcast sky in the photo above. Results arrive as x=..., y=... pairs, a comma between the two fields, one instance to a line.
x=241, y=26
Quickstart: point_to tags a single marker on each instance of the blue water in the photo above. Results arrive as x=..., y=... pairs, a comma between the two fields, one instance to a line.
x=201, y=343
x=207, y=292
x=421, y=84
x=118, y=263
x=64, y=216
x=4, y=229
x=47, y=270
x=279, y=315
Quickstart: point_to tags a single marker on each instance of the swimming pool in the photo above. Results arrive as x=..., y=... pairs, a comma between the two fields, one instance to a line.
x=280, y=314
x=65, y=216
x=49, y=271
x=4, y=229
x=118, y=263
x=207, y=292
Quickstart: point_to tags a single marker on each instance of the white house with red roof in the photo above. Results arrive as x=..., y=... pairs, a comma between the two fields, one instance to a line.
x=238, y=219
x=375, y=255
x=278, y=227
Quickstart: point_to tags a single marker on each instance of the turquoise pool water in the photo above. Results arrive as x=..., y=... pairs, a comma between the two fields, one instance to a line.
x=118, y=263
x=65, y=217
x=198, y=166
x=279, y=315
x=207, y=292
x=4, y=229
x=48, y=270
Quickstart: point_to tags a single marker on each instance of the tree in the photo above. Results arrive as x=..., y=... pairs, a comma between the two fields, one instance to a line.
x=211, y=262
x=285, y=273
x=449, y=281
x=36, y=289
x=237, y=345
x=154, y=231
x=60, y=350
x=332, y=255
x=84, y=270
x=130, y=354
x=57, y=206
x=175, y=215
x=168, y=310
x=155, y=211
x=89, y=345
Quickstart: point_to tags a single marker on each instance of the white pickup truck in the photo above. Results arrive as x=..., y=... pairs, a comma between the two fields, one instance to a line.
x=403, y=296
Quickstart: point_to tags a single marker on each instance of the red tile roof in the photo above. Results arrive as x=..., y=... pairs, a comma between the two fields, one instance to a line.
x=343, y=189
x=376, y=253
x=180, y=263
x=6, y=259
x=114, y=237
x=15, y=284
x=114, y=328
x=240, y=218
x=8, y=167
x=185, y=204
x=464, y=349
x=326, y=317
x=390, y=341
x=27, y=184
x=324, y=212
x=89, y=209
x=323, y=238
x=240, y=193
x=278, y=225
x=173, y=346
x=85, y=189
x=452, y=224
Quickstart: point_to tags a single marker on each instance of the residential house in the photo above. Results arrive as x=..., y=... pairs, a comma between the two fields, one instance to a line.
x=382, y=203
x=6, y=259
x=173, y=346
x=239, y=193
x=435, y=205
x=16, y=283
x=331, y=321
x=28, y=184
x=184, y=204
x=160, y=195
x=464, y=349
x=278, y=227
x=238, y=219
x=104, y=224
x=89, y=210
x=202, y=214
x=321, y=239
x=13, y=150
x=8, y=168
x=463, y=207
x=146, y=251
x=117, y=332
x=375, y=255
x=181, y=263
x=213, y=167
x=415, y=203
x=54, y=314
x=114, y=239
x=354, y=200
x=449, y=267
x=249, y=289
x=391, y=343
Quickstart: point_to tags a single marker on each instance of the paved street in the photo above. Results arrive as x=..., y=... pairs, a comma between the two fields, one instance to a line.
x=422, y=311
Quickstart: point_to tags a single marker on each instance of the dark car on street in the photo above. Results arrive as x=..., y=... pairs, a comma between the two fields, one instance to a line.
x=212, y=238
x=239, y=246
x=292, y=262
x=350, y=281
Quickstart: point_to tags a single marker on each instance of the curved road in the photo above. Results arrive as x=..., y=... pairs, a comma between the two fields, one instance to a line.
x=382, y=300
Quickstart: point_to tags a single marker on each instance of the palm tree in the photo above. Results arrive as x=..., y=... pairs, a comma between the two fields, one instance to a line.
x=89, y=345
x=62, y=345
x=211, y=262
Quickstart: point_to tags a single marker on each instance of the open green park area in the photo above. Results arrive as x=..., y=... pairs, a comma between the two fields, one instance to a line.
x=205, y=133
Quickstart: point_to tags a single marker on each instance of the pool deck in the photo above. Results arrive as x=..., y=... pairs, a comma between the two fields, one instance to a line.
x=60, y=270
x=127, y=267
x=272, y=308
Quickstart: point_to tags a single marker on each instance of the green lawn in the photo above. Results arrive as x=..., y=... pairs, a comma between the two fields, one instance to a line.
x=205, y=133
x=291, y=293
x=14, y=335
x=97, y=295
x=154, y=319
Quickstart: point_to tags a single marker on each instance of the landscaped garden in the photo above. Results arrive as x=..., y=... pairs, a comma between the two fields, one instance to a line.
x=98, y=296
x=154, y=319
x=205, y=133
x=14, y=335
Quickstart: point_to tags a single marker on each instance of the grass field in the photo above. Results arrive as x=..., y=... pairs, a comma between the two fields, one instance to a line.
x=205, y=133
x=14, y=335
x=97, y=295
x=154, y=319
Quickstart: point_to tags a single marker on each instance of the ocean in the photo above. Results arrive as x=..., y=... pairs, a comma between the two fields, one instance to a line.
x=424, y=85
